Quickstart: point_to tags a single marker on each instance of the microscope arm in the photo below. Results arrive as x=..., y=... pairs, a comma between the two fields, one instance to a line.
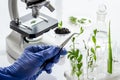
x=13, y=9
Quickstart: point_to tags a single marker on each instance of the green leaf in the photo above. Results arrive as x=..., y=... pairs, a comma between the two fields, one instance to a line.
x=77, y=53
x=90, y=63
x=60, y=24
x=81, y=30
x=78, y=73
x=95, y=57
x=109, y=51
x=73, y=20
x=109, y=43
x=73, y=39
x=97, y=46
x=94, y=39
x=68, y=56
x=109, y=66
x=92, y=50
x=79, y=66
x=80, y=58
x=71, y=52
x=72, y=57
x=73, y=69
x=82, y=20
x=95, y=32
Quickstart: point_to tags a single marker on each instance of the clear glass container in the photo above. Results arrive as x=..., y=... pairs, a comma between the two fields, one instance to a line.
x=101, y=18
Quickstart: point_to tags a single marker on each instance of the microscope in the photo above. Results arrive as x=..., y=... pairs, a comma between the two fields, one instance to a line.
x=28, y=29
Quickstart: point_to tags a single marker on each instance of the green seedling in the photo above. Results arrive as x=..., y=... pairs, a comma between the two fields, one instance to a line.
x=94, y=40
x=60, y=24
x=95, y=47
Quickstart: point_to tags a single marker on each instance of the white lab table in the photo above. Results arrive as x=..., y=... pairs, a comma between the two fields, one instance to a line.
x=78, y=8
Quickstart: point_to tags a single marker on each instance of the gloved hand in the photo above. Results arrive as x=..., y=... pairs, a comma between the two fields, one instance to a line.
x=27, y=67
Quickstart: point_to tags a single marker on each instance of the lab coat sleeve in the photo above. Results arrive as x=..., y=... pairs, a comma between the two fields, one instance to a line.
x=5, y=75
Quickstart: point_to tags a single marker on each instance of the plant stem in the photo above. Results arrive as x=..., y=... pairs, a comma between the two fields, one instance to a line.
x=109, y=51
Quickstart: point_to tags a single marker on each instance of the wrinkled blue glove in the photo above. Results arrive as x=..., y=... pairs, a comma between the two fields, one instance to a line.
x=27, y=67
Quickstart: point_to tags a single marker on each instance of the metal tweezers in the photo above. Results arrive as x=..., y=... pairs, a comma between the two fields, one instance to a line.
x=61, y=47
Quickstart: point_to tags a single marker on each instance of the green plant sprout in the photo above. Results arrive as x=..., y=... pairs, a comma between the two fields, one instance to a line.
x=75, y=57
x=109, y=51
x=60, y=24
x=94, y=49
x=81, y=30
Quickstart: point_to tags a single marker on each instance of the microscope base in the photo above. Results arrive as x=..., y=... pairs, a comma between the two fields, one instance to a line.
x=15, y=44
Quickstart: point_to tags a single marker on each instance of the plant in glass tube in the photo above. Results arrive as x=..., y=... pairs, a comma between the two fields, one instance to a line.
x=75, y=57
x=91, y=57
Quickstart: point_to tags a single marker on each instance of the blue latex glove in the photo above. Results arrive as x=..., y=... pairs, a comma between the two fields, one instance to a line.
x=27, y=67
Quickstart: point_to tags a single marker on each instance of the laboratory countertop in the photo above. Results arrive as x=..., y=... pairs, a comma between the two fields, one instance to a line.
x=65, y=9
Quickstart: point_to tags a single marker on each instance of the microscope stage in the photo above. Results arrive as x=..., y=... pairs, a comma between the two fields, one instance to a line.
x=33, y=27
